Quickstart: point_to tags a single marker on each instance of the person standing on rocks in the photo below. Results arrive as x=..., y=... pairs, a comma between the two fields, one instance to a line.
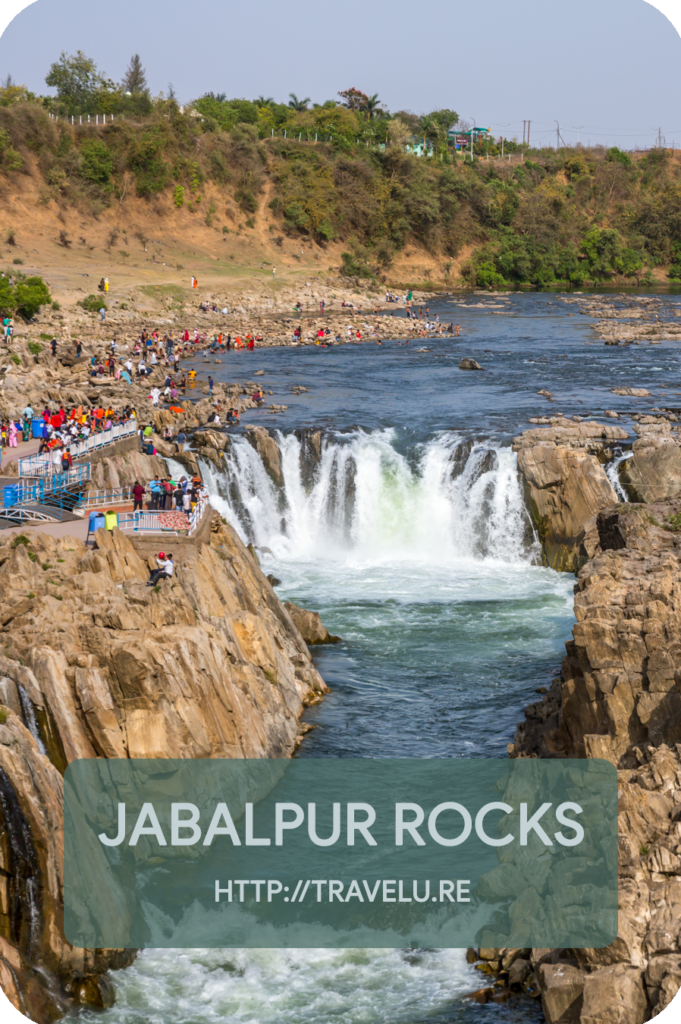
x=53, y=346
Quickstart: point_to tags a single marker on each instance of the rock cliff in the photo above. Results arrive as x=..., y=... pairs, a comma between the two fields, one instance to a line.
x=565, y=485
x=619, y=698
x=97, y=664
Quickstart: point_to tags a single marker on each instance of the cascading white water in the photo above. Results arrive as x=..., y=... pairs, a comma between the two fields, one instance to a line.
x=613, y=474
x=451, y=500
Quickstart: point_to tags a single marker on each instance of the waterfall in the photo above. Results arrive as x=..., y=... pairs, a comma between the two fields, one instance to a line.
x=613, y=474
x=445, y=500
x=30, y=722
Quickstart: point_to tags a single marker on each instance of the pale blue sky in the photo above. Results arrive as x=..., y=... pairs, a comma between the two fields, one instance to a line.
x=609, y=65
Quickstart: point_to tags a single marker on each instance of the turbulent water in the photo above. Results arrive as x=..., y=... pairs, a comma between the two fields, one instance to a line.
x=411, y=539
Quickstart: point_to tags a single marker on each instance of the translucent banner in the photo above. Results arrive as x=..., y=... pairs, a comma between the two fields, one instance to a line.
x=337, y=853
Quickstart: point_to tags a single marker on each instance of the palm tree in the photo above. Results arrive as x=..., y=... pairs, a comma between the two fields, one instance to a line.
x=297, y=104
x=263, y=101
x=373, y=106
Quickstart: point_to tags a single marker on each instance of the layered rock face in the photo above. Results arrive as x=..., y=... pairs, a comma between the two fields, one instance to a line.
x=619, y=698
x=96, y=664
x=566, y=486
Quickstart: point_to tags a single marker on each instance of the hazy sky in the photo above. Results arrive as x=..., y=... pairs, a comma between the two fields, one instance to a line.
x=608, y=65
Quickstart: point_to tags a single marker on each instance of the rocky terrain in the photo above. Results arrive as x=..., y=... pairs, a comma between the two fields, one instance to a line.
x=618, y=697
x=96, y=664
x=629, y=319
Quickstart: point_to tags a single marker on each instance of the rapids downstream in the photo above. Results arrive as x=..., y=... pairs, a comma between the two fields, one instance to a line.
x=409, y=535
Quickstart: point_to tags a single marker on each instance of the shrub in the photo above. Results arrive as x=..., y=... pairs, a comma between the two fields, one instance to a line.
x=92, y=304
x=96, y=162
x=56, y=306
x=20, y=541
x=16, y=359
x=178, y=196
x=35, y=348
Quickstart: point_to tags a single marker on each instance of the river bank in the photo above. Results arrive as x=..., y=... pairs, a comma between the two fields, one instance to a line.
x=388, y=497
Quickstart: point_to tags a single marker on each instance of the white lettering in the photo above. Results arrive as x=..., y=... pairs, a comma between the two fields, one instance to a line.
x=250, y=838
x=354, y=891
x=312, y=825
x=177, y=823
x=120, y=835
x=563, y=820
x=281, y=823
x=402, y=826
x=361, y=826
x=153, y=829
x=532, y=825
x=432, y=824
x=480, y=824
x=461, y=893
x=215, y=829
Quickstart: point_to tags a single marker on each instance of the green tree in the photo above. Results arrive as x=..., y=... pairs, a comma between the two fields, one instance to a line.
x=135, y=79
x=373, y=106
x=296, y=104
x=77, y=80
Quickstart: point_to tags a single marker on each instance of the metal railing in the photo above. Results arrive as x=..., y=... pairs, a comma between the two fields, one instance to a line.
x=42, y=465
x=148, y=520
x=106, y=496
x=45, y=488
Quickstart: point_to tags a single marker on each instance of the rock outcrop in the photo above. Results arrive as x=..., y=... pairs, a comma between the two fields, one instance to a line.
x=96, y=664
x=268, y=450
x=310, y=625
x=565, y=486
x=619, y=698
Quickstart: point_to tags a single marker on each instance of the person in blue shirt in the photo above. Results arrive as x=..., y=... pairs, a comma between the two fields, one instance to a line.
x=155, y=489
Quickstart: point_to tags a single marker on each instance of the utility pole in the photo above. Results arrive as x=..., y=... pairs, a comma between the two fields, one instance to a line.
x=659, y=138
x=528, y=134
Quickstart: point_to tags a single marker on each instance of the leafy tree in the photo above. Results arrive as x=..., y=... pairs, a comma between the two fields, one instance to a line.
x=354, y=99
x=615, y=155
x=399, y=133
x=445, y=118
x=262, y=101
x=373, y=106
x=296, y=104
x=77, y=81
x=135, y=79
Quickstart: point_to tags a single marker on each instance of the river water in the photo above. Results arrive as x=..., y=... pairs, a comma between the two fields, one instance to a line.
x=412, y=540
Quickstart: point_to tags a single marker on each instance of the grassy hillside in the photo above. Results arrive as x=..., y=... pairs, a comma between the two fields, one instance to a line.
x=547, y=217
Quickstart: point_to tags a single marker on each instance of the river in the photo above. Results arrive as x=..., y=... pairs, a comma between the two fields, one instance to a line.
x=413, y=542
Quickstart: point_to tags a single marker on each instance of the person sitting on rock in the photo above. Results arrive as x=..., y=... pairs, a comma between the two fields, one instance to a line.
x=166, y=568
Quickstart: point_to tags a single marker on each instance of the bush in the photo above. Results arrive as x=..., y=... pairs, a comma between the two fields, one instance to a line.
x=16, y=359
x=92, y=303
x=178, y=196
x=96, y=162
x=35, y=348
x=25, y=297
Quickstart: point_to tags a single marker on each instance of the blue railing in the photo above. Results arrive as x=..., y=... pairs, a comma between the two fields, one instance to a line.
x=42, y=465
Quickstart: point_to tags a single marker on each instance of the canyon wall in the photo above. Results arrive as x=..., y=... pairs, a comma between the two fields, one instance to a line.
x=96, y=664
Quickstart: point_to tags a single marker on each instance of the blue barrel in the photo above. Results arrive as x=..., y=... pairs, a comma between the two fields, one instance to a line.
x=10, y=495
x=96, y=521
x=39, y=428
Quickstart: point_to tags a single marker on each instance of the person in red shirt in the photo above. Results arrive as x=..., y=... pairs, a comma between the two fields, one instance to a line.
x=138, y=496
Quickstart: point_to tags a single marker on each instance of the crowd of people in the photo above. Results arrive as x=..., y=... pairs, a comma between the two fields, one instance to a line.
x=167, y=494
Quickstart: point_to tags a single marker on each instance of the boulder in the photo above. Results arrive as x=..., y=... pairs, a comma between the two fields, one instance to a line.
x=309, y=625
x=562, y=989
x=564, y=489
x=614, y=995
x=211, y=439
x=268, y=450
x=653, y=473
x=469, y=364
